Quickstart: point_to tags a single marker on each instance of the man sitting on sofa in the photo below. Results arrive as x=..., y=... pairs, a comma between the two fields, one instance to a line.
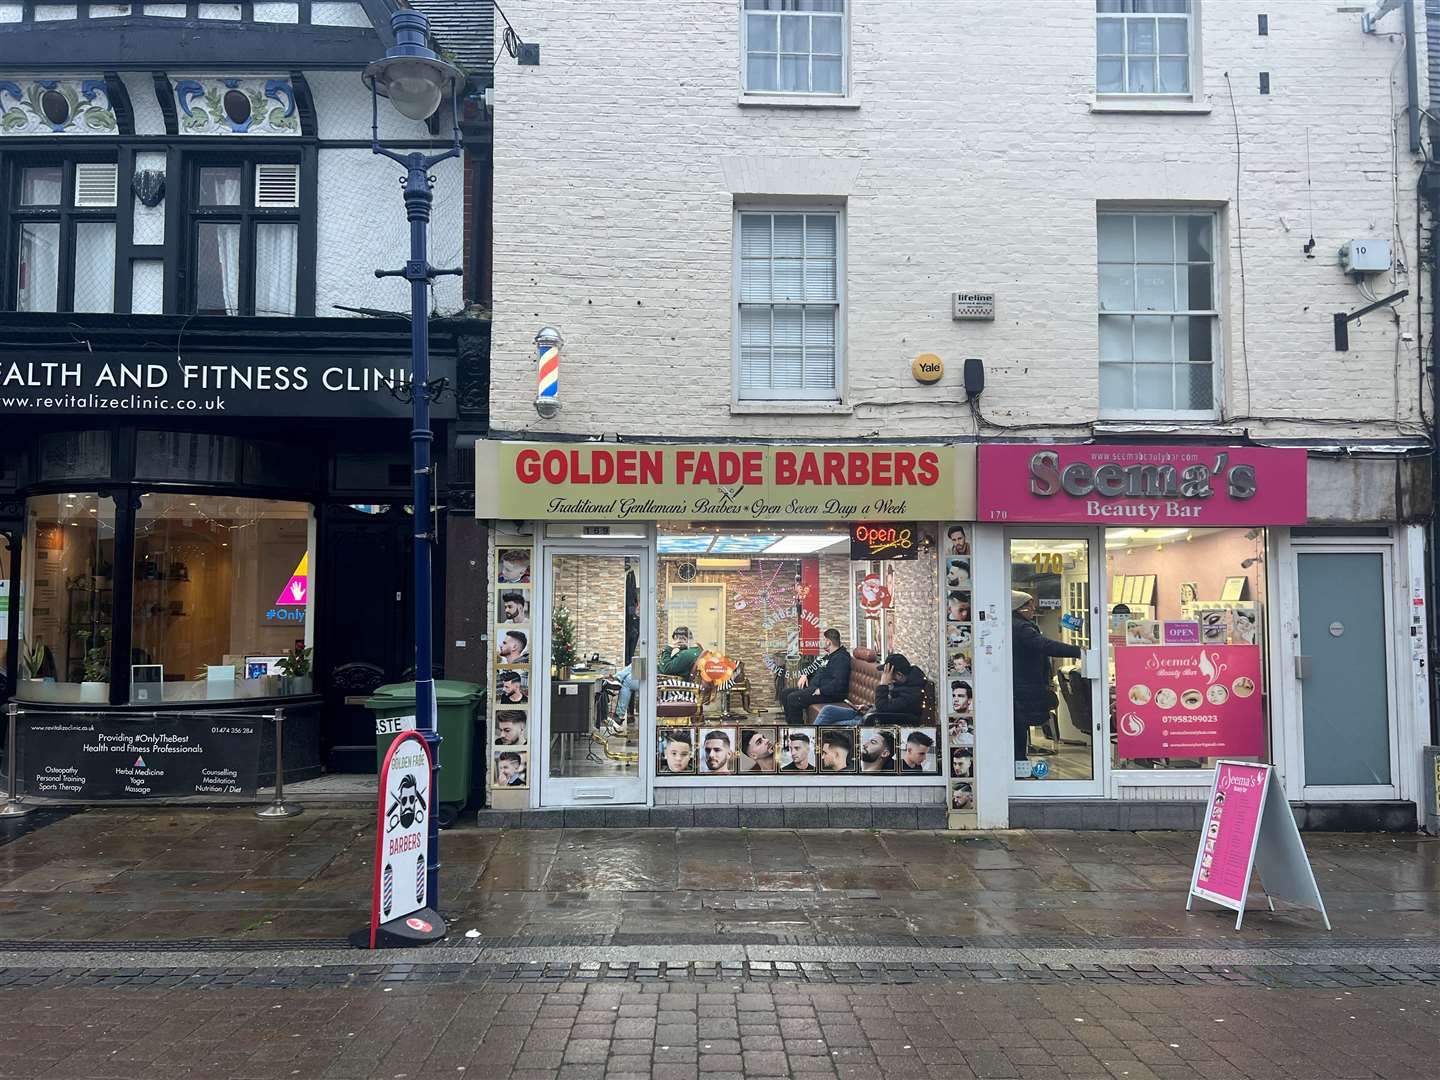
x=831, y=681
x=897, y=697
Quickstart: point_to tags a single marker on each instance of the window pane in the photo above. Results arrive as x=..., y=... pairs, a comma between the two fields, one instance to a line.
x=68, y=594
x=1155, y=288
x=755, y=281
x=820, y=232
x=1110, y=76
x=794, y=34
x=788, y=278
x=1198, y=336
x=789, y=235
x=1110, y=37
x=795, y=73
x=217, y=268
x=1175, y=37
x=1200, y=241
x=760, y=72
x=1117, y=237
x=177, y=455
x=755, y=348
x=1197, y=386
x=1199, y=298
x=820, y=279
x=826, y=36
x=1153, y=386
x=1152, y=338
x=277, y=253
x=1117, y=288
x=1115, y=338
x=819, y=348
x=1116, y=391
x=1141, y=35
x=1154, y=238
x=40, y=186
x=788, y=353
x=221, y=593
x=1110, y=6
x=1141, y=76
x=219, y=186
x=827, y=76
x=38, y=269
x=71, y=455
x=95, y=266
x=1174, y=76
x=754, y=235
x=760, y=31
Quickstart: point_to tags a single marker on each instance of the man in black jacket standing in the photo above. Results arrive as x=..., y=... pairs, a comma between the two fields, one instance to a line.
x=830, y=683
x=1030, y=653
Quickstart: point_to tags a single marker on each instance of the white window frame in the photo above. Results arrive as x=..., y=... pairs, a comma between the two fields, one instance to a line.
x=1157, y=98
x=1217, y=313
x=818, y=96
x=800, y=398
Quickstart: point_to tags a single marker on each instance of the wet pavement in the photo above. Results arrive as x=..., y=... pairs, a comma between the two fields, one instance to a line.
x=185, y=875
x=167, y=943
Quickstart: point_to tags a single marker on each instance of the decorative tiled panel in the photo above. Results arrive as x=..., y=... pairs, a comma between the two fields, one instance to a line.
x=56, y=107
x=236, y=106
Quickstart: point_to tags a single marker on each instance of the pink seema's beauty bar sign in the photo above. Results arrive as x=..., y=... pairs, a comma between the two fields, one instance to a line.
x=1144, y=486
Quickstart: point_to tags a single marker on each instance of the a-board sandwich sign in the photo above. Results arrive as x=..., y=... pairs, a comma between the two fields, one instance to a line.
x=400, y=911
x=1249, y=827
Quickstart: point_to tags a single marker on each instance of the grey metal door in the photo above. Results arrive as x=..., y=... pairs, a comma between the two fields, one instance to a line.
x=1343, y=669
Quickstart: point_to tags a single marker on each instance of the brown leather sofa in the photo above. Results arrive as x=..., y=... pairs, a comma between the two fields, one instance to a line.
x=864, y=678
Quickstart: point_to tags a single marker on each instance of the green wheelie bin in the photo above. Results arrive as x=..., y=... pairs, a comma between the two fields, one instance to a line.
x=455, y=704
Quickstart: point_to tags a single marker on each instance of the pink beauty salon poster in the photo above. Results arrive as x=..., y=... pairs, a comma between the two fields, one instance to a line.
x=1232, y=820
x=1188, y=701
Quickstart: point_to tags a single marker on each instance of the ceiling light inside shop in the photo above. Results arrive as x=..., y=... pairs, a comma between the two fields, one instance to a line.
x=685, y=545
x=806, y=543
x=722, y=564
x=1138, y=537
x=730, y=544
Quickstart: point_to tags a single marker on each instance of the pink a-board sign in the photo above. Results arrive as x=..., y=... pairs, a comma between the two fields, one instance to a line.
x=1232, y=829
x=1142, y=486
x=1188, y=701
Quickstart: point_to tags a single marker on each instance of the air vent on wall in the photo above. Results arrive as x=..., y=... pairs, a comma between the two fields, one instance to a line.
x=277, y=186
x=96, y=183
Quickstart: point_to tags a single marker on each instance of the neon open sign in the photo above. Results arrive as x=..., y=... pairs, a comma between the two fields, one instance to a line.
x=882, y=540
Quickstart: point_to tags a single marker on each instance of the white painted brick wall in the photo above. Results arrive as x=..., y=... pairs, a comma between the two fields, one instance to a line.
x=977, y=164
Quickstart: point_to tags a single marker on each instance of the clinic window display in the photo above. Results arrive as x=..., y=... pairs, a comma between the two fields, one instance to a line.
x=67, y=598
x=1185, y=645
x=221, y=598
x=777, y=687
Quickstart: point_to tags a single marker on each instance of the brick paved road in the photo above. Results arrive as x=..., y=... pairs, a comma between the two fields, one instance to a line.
x=722, y=1030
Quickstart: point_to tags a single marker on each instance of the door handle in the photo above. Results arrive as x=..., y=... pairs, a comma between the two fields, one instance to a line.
x=1302, y=667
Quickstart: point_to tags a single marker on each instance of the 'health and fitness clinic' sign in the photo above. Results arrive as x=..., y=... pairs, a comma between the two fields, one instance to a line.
x=1188, y=701
x=1142, y=485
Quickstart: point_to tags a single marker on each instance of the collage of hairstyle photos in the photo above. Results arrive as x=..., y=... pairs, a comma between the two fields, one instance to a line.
x=714, y=750
x=511, y=643
x=959, y=689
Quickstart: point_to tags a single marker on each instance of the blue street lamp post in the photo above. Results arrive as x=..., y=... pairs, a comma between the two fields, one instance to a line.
x=417, y=81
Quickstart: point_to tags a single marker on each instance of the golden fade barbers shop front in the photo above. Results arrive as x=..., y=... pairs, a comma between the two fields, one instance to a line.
x=663, y=616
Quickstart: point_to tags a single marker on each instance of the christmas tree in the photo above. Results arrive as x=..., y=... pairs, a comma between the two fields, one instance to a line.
x=562, y=637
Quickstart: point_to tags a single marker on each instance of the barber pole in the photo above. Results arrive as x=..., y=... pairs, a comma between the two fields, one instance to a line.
x=547, y=349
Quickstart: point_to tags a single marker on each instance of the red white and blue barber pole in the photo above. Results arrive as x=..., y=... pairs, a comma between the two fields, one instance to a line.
x=548, y=343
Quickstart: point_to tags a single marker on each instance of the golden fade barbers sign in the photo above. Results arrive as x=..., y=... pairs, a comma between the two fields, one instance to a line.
x=524, y=481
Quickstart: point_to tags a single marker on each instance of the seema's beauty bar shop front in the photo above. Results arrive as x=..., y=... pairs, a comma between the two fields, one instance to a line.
x=698, y=634
x=1167, y=606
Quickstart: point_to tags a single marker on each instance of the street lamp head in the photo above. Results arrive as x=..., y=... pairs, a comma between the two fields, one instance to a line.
x=410, y=74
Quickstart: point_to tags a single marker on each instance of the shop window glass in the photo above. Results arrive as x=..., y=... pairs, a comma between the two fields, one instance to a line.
x=70, y=455
x=7, y=608
x=181, y=455
x=1186, y=646
x=222, y=594
x=68, y=597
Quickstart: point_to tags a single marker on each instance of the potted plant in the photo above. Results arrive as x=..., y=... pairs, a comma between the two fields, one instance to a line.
x=32, y=661
x=95, y=667
x=295, y=665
